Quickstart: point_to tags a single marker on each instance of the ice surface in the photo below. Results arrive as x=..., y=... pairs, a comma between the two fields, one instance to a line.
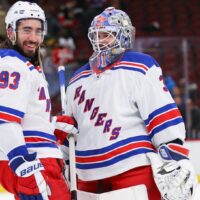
x=6, y=196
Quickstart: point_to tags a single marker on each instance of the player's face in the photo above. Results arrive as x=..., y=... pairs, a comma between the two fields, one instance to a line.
x=29, y=36
x=106, y=39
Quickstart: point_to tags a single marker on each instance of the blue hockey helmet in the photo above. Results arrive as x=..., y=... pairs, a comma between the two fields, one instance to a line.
x=115, y=24
x=112, y=22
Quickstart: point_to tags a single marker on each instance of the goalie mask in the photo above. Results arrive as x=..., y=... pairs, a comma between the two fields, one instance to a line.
x=24, y=10
x=110, y=34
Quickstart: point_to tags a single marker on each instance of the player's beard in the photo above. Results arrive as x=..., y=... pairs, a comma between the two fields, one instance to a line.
x=29, y=48
x=30, y=56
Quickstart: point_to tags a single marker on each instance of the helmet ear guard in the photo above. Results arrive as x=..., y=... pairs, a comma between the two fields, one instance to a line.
x=11, y=35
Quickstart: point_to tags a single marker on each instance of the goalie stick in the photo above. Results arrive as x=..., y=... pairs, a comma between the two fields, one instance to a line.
x=72, y=162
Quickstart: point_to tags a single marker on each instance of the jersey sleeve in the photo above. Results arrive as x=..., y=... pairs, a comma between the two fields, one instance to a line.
x=15, y=88
x=161, y=116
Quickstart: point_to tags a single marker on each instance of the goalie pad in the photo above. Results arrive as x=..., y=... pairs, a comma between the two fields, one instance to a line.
x=138, y=192
x=174, y=177
x=196, y=195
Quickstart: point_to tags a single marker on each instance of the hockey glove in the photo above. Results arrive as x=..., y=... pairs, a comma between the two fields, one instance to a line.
x=64, y=125
x=30, y=182
x=173, y=172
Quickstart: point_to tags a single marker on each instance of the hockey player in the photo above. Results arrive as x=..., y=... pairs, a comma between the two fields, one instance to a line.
x=31, y=164
x=127, y=120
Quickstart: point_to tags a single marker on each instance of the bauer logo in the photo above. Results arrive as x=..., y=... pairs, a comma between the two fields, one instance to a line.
x=30, y=170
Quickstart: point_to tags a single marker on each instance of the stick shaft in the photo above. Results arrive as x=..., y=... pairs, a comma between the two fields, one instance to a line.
x=61, y=73
x=72, y=161
x=72, y=167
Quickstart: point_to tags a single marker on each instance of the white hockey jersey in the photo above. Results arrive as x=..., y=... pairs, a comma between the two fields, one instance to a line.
x=24, y=108
x=122, y=113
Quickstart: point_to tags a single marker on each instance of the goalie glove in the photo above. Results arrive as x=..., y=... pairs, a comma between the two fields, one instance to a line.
x=173, y=172
x=30, y=182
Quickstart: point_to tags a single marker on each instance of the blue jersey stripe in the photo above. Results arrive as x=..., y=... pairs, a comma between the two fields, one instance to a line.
x=31, y=68
x=39, y=134
x=114, y=160
x=11, y=53
x=159, y=111
x=41, y=145
x=113, y=146
x=12, y=111
x=130, y=68
x=84, y=76
x=166, y=125
x=138, y=57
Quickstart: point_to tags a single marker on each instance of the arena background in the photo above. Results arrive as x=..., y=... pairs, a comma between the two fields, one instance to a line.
x=169, y=30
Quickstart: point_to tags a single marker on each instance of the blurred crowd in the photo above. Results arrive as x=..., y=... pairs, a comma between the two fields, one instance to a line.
x=187, y=104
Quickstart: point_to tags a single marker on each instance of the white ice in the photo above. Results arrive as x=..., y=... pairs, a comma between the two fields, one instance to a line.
x=6, y=196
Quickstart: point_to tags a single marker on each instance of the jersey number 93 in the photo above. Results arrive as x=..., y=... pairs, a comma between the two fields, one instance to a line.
x=9, y=80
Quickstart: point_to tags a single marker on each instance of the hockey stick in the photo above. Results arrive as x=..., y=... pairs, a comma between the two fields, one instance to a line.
x=72, y=162
x=61, y=73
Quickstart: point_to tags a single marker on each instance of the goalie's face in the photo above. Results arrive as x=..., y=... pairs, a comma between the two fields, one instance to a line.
x=29, y=36
x=103, y=40
x=106, y=40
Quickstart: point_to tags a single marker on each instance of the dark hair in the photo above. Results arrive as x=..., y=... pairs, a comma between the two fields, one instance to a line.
x=6, y=44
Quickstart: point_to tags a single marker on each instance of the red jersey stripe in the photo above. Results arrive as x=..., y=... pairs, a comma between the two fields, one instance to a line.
x=10, y=118
x=163, y=118
x=115, y=152
x=37, y=139
x=179, y=148
x=134, y=65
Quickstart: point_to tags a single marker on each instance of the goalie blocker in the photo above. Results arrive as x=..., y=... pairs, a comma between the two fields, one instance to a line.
x=138, y=192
